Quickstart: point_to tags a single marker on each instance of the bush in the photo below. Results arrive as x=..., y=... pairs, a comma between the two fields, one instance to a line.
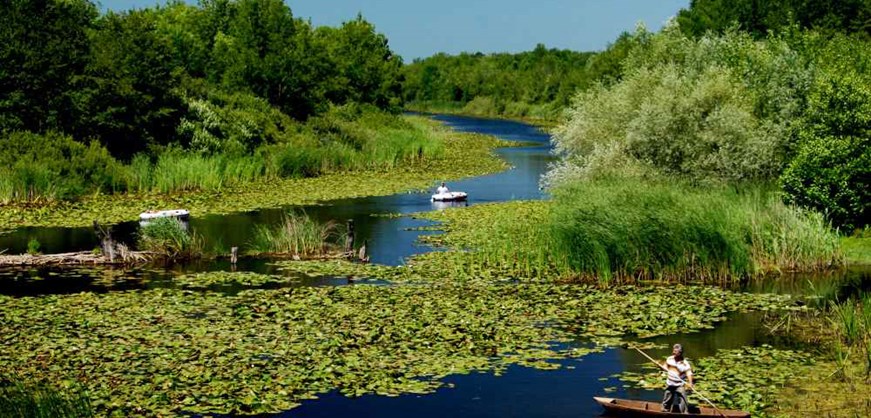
x=833, y=175
x=53, y=166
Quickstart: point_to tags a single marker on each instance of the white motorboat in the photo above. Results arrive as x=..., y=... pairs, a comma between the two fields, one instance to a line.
x=449, y=197
x=174, y=213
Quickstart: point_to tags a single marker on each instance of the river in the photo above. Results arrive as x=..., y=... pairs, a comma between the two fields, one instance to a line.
x=520, y=391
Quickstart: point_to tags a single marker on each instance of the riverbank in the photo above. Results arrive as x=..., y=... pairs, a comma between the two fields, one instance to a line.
x=628, y=232
x=458, y=109
x=465, y=155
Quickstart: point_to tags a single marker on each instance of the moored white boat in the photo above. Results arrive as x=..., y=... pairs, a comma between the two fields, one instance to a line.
x=449, y=197
x=173, y=213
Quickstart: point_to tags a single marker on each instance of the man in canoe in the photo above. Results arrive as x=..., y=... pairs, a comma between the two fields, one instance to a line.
x=680, y=378
x=442, y=189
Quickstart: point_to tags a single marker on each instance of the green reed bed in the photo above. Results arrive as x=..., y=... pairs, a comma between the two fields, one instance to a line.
x=22, y=399
x=452, y=155
x=299, y=235
x=626, y=229
x=163, y=351
x=857, y=249
x=169, y=238
x=184, y=172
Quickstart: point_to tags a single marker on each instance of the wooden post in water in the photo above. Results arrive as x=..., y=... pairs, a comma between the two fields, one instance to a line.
x=349, y=241
x=234, y=255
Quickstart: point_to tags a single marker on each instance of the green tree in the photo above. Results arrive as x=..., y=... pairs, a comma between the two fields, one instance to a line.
x=44, y=49
x=832, y=170
x=367, y=70
x=760, y=16
x=128, y=99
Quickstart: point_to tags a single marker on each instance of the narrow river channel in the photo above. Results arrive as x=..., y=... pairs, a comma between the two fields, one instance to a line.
x=520, y=391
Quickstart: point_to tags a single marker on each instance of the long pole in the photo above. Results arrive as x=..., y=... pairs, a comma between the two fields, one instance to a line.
x=682, y=381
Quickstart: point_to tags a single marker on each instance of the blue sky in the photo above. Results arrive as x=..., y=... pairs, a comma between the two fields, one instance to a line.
x=418, y=29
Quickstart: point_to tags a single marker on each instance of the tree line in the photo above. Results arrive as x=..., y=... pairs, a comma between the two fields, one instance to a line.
x=223, y=78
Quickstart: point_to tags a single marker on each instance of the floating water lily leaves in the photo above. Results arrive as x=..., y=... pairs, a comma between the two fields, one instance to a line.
x=170, y=350
x=742, y=378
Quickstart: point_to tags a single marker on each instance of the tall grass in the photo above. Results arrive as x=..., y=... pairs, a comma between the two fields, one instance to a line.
x=299, y=235
x=175, y=171
x=852, y=323
x=627, y=228
x=169, y=238
x=790, y=238
x=35, y=168
x=26, y=400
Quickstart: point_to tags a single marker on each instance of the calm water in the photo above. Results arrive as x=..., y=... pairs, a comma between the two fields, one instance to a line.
x=520, y=392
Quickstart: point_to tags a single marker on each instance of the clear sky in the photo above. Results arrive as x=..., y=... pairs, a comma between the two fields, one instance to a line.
x=418, y=29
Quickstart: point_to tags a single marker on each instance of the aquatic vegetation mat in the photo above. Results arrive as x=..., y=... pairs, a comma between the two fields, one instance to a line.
x=745, y=378
x=170, y=351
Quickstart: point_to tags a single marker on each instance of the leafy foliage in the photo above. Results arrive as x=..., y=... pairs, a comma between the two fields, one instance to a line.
x=53, y=166
x=45, y=49
x=760, y=17
x=226, y=79
x=515, y=84
x=832, y=169
x=715, y=109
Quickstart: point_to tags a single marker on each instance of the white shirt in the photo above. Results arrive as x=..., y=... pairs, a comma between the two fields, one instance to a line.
x=441, y=190
x=678, y=371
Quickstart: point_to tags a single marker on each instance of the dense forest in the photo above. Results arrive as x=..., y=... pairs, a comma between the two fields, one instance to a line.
x=240, y=89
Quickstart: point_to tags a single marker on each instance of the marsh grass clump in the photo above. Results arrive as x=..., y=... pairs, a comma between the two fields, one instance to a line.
x=654, y=229
x=26, y=399
x=33, y=246
x=784, y=237
x=618, y=230
x=170, y=239
x=300, y=235
x=852, y=322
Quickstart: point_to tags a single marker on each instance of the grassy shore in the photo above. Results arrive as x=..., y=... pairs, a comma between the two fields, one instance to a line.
x=460, y=109
x=465, y=155
x=627, y=231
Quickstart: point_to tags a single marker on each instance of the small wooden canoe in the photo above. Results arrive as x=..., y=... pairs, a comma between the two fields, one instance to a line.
x=627, y=408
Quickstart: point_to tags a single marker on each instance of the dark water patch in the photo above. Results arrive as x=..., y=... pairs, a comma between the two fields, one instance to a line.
x=818, y=287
